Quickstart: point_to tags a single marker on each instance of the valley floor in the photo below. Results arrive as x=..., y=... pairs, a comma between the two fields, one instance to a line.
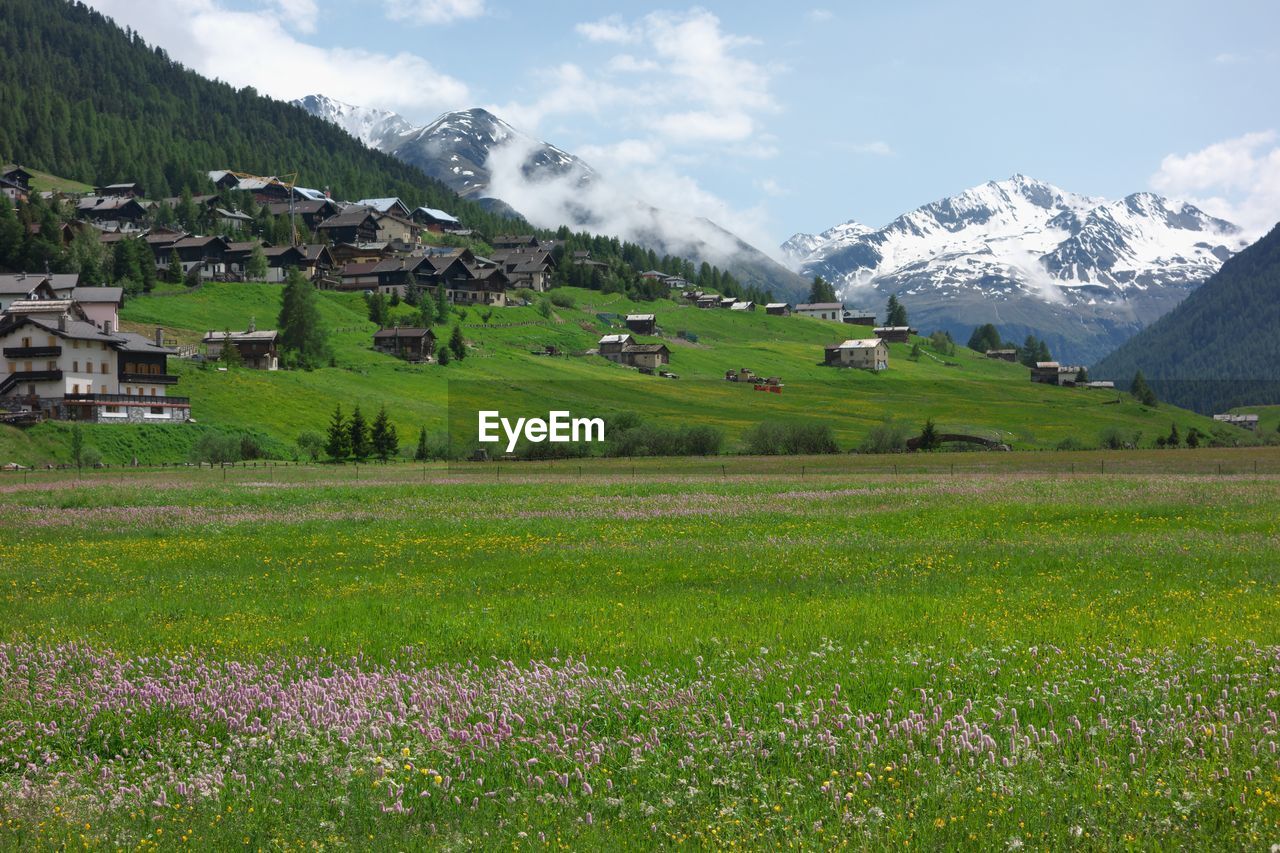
x=1011, y=655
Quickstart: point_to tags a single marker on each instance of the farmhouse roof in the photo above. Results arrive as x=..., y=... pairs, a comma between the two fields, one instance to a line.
x=861, y=343
x=820, y=306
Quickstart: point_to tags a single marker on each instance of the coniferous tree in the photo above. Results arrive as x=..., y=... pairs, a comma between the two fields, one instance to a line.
x=1174, y=439
x=338, y=439
x=895, y=312
x=929, y=436
x=821, y=291
x=10, y=236
x=301, y=334
x=1142, y=391
x=230, y=355
x=174, y=269
x=442, y=305
x=255, y=268
x=386, y=441
x=422, y=451
x=442, y=356
x=456, y=344
x=358, y=430
x=985, y=337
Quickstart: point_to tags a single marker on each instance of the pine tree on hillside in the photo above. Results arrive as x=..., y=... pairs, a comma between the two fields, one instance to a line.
x=895, y=312
x=422, y=451
x=255, y=268
x=985, y=337
x=1142, y=391
x=358, y=430
x=821, y=290
x=456, y=344
x=302, y=336
x=442, y=305
x=386, y=442
x=230, y=354
x=338, y=439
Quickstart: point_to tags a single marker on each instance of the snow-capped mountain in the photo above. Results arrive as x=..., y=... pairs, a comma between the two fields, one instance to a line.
x=373, y=127
x=481, y=157
x=1083, y=273
x=455, y=149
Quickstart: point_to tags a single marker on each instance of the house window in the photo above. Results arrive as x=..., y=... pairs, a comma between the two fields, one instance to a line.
x=153, y=392
x=13, y=367
x=157, y=410
x=75, y=344
x=26, y=342
x=75, y=389
x=105, y=369
x=53, y=342
x=88, y=367
x=75, y=367
x=102, y=389
x=51, y=365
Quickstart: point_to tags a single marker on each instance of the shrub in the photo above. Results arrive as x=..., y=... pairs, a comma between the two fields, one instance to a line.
x=90, y=457
x=562, y=299
x=543, y=307
x=771, y=438
x=216, y=448
x=1070, y=443
x=1115, y=438
x=311, y=445
x=887, y=437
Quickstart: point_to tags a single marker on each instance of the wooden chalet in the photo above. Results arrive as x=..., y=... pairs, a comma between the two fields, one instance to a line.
x=642, y=324
x=353, y=226
x=1003, y=354
x=259, y=349
x=855, y=317
x=436, y=221
x=515, y=241
x=15, y=182
x=209, y=254
x=778, y=309
x=309, y=212
x=389, y=206
x=411, y=344
x=111, y=211
x=895, y=334
x=125, y=190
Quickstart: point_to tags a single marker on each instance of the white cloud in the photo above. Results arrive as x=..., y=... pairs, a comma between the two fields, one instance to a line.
x=1236, y=179
x=879, y=148
x=819, y=16
x=210, y=38
x=643, y=199
x=433, y=11
x=299, y=14
x=686, y=79
x=611, y=30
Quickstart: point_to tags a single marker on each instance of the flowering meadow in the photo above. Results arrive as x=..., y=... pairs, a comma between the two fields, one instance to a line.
x=997, y=660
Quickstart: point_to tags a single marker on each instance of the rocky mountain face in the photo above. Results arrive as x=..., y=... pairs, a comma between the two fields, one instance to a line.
x=481, y=157
x=1083, y=273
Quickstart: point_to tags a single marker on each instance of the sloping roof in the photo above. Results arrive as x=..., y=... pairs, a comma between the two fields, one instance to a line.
x=742, y=306
x=382, y=205
x=776, y=305
x=639, y=318
x=646, y=348
x=98, y=295
x=307, y=192
x=347, y=219
x=281, y=208
x=820, y=306
x=406, y=332
x=231, y=214
x=861, y=343
x=14, y=284
x=1047, y=365
x=238, y=337
x=438, y=215
x=362, y=268
x=615, y=339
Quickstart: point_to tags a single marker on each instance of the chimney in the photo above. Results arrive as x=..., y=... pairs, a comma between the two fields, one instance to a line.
x=159, y=336
x=62, y=322
x=253, y=325
x=106, y=327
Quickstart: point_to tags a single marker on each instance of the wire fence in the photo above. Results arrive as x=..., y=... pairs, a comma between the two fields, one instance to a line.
x=1215, y=462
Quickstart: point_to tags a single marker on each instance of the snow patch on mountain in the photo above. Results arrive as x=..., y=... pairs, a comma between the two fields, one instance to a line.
x=1027, y=249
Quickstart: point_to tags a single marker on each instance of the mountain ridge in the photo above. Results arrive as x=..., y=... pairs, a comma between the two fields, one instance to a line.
x=549, y=186
x=1083, y=272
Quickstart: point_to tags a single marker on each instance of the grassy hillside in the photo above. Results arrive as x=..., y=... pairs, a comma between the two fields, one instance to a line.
x=963, y=393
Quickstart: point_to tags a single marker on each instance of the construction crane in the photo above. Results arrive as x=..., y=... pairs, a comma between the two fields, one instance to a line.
x=288, y=182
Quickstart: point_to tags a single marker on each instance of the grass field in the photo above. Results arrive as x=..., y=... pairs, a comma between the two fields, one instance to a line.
x=632, y=654
x=964, y=392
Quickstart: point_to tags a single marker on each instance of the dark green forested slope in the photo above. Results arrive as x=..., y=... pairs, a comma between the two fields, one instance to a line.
x=81, y=98
x=1221, y=347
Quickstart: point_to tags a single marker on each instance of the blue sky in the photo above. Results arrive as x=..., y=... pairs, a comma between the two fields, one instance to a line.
x=776, y=118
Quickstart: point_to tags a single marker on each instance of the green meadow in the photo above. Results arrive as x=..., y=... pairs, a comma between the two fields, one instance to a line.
x=964, y=392
x=616, y=654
